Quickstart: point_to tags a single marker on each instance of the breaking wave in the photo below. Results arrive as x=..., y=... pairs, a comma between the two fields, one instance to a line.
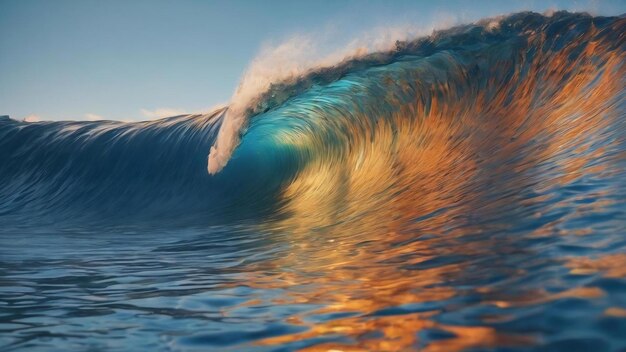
x=426, y=121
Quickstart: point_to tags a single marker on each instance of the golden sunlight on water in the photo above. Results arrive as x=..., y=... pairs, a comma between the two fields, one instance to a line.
x=443, y=173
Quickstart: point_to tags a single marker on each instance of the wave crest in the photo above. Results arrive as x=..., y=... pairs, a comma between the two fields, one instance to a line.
x=289, y=69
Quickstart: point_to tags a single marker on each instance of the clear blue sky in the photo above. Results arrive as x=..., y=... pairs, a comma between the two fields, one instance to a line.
x=76, y=59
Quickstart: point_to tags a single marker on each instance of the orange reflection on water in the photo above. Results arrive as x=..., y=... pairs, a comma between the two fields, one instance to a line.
x=613, y=265
x=391, y=221
x=399, y=333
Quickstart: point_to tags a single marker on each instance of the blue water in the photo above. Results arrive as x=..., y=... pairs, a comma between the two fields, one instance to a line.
x=463, y=193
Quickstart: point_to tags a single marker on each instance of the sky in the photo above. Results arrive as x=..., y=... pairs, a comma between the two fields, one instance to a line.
x=139, y=60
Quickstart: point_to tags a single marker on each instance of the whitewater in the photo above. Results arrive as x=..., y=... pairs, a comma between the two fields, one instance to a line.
x=459, y=190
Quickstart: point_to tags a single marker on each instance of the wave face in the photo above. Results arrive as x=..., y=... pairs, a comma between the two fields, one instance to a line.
x=433, y=197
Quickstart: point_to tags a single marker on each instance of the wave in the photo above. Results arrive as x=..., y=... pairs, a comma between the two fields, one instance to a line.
x=399, y=132
x=268, y=91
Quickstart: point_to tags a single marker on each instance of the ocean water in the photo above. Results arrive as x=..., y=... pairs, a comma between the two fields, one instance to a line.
x=464, y=192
